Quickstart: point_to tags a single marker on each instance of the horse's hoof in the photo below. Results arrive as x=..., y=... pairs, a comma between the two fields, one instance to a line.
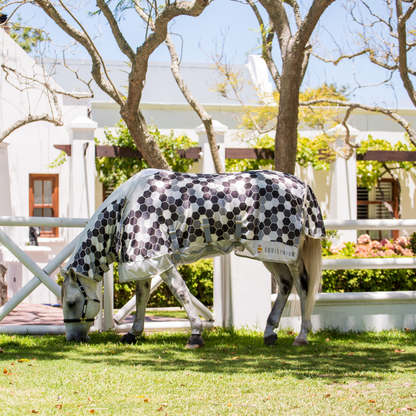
x=300, y=342
x=195, y=341
x=270, y=339
x=129, y=338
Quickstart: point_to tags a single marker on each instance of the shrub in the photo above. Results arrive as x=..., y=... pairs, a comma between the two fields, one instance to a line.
x=379, y=280
x=197, y=276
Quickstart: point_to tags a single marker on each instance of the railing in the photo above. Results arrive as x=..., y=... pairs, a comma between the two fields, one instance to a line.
x=395, y=263
x=115, y=321
x=109, y=320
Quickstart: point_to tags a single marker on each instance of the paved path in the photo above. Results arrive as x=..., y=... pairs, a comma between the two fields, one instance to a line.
x=35, y=314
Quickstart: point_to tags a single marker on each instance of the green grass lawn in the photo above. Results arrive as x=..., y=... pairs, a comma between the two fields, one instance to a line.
x=168, y=314
x=235, y=374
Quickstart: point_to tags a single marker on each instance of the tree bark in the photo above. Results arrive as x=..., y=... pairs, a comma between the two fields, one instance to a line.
x=286, y=139
x=3, y=285
x=144, y=141
x=294, y=52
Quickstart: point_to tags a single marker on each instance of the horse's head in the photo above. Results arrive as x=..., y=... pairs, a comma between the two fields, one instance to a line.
x=80, y=304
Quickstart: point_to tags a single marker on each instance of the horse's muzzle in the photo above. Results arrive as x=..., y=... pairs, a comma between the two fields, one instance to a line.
x=77, y=338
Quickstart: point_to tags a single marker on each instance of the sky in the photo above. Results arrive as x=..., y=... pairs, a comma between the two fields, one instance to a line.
x=232, y=27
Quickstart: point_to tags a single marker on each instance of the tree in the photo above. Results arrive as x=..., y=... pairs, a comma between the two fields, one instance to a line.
x=112, y=172
x=26, y=37
x=161, y=15
x=381, y=33
x=294, y=51
x=193, y=102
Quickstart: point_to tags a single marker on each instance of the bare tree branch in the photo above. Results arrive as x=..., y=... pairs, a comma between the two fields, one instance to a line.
x=27, y=120
x=392, y=114
x=84, y=39
x=403, y=66
x=118, y=36
x=196, y=105
x=278, y=17
x=267, y=39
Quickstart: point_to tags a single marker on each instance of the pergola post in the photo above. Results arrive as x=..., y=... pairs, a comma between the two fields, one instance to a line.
x=82, y=169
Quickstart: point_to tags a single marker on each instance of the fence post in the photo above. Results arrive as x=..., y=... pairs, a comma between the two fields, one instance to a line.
x=343, y=174
x=242, y=287
x=108, y=299
x=3, y=285
x=206, y=164
x=98, y=323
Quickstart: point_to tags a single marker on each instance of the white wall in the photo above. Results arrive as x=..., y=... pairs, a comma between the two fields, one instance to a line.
x=30, y=150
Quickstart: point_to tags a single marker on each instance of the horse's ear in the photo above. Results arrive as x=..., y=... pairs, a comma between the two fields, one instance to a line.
x=72, y=275
x=63, y=272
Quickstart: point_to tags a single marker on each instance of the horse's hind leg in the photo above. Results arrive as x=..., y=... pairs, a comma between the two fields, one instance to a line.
x=142, y=297
x=178, y=287
x=300, y=278
x=284, y=281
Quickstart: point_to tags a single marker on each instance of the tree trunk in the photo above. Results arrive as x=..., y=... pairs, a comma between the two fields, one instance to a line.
x=3, y=285
x=144, y=141
x=287, y=120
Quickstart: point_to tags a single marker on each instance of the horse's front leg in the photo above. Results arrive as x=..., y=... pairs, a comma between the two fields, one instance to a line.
x=284, y=281
x=181, y=292
x=142, y=297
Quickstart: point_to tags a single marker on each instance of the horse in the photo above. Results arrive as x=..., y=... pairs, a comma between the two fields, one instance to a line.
x=160, y=219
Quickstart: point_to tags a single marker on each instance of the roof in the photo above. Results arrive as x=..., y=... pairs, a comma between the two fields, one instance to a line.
x=160, y=85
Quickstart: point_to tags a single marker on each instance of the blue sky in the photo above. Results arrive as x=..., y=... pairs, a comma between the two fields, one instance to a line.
x=203, y=35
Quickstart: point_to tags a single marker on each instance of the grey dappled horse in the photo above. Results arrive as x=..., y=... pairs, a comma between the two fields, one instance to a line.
x=160, y=219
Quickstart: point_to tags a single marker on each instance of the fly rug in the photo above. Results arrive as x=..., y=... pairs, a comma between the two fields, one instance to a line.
x=158, y=220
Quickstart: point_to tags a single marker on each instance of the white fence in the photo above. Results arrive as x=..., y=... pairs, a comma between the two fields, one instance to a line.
x=115, y=321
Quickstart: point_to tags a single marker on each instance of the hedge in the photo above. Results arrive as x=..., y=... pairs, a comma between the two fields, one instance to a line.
x=197, y=276
x=378, y=280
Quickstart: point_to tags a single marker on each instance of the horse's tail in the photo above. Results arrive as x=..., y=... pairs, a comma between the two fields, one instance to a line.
x=312, y=258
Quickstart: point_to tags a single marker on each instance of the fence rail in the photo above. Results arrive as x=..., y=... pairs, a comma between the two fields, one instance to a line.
x=42, y=276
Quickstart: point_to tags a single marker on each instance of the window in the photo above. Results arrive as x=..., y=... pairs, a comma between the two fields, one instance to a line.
x=370, y=206
x=44, y=200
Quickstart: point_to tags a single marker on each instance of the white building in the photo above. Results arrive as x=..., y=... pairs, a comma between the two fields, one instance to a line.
x=28, y=187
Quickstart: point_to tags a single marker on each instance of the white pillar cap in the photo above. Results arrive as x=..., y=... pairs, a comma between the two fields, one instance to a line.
x=340, y=131
x=218, y=128
x=82, y=123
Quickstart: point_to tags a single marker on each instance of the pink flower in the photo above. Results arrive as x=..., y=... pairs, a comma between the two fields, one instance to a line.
x=364, y=239
x=399, y=250
x=375, y=244
x=389, y=246
x=402, y=241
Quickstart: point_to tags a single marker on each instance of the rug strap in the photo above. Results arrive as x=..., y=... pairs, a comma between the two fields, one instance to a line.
x=207, y=230
x=238, y=222
x=174, y=241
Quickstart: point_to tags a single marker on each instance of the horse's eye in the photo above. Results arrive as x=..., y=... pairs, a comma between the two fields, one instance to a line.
x=71, y=304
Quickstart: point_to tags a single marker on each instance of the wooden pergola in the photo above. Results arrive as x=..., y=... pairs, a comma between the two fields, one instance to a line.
x=236, y=153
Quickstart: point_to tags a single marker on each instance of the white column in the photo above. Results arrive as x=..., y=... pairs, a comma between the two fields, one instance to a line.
x=343, y=185
x=206, y=164
x=82, y=169
x=6, y=199
x=242, y=287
